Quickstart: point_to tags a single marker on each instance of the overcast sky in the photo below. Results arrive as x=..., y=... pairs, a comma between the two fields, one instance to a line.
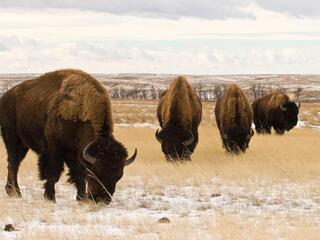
x=163, y=36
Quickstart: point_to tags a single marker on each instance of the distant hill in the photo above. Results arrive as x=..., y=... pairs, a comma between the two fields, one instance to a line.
x=209, y=87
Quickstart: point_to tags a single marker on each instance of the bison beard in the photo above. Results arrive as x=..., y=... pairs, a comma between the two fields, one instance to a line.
x=179, y=115
x=65, y=117
x=176, y=143
x=236, y=139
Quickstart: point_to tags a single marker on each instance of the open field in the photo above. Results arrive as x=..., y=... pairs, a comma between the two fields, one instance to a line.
x=143, y=113
x=271, y=192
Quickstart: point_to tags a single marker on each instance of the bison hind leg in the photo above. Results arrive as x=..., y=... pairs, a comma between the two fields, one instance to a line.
x=16, y=152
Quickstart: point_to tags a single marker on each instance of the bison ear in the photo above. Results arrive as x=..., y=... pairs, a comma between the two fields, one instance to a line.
x=86, y=155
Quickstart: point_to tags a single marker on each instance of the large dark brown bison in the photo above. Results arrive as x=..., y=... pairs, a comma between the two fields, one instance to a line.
x=65, y=117
x=277, y=111
x=179, y=114
x=233, y=114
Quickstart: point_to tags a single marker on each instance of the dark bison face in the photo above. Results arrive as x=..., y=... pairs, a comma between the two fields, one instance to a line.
x=107, y=159
x=176, y=143
x=290, y=113
x=236, y=139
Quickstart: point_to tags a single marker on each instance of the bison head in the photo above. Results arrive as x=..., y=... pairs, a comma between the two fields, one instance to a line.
x=106, y=160
x=176, y=143
x=236, y=139
x=289, y=113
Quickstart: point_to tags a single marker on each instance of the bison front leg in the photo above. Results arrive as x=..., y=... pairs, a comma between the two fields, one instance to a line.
x=262, y=128
x=279, y=131
x=50, y=167
x=77, y=177
x=49, y=192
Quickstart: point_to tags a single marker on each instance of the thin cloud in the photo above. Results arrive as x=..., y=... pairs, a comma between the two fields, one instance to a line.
x=174, y=9
x=114, y=57
x=297, y=8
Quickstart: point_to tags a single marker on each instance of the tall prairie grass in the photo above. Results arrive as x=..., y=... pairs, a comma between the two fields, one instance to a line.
x=271, y=192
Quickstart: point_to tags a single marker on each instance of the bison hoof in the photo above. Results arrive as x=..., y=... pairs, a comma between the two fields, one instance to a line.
x=13, y=191
x=82, y=198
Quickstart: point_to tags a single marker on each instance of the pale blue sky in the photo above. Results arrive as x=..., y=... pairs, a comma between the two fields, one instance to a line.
x=186, y=37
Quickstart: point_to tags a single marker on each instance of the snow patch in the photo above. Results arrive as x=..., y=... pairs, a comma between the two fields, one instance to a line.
x=137, y=125
x=301, y=124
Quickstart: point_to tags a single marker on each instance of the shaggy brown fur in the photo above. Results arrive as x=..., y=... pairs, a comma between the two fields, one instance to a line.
x=268, y=113
x=179, y=113
x=84, y=100
x=233, y=114
x=57, y=115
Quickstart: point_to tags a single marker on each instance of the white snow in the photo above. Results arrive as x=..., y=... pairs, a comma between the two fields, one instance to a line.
x=301, y=124
x=137, y=125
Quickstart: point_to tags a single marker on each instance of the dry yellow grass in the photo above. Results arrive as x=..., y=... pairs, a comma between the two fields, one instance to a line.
x=271, y=192
x=134, y=111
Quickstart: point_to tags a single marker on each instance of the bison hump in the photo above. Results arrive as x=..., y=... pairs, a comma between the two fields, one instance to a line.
x=80, y=100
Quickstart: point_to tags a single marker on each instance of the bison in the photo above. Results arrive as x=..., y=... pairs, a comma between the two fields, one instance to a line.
x=233, y=114
x=179, y=114
x=65, y=117
x=277, y=111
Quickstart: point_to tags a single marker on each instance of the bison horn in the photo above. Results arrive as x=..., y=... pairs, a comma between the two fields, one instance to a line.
x=87, y=157
x=251, y=134
x=131, y=160
x=223, y=135
x=299, y=105
x=190, y=140
x=283, y=108
x=157, y=136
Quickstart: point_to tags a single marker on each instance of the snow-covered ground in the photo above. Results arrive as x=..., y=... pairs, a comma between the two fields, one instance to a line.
x=136, y=125
x=138, y=205
x=271, y=192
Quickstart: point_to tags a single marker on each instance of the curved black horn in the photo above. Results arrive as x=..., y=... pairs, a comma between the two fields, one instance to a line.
x=282, y=108
x=157, y=136
x=131, y=160
x=223, y=135
x=299, y=105
x=250, y=134
x=86, y=156
x=190, y=140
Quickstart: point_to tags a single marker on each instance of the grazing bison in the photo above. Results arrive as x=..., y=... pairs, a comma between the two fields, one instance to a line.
x=179, y=114
x=275, y=110
x=233, y=114
x=65, y=117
